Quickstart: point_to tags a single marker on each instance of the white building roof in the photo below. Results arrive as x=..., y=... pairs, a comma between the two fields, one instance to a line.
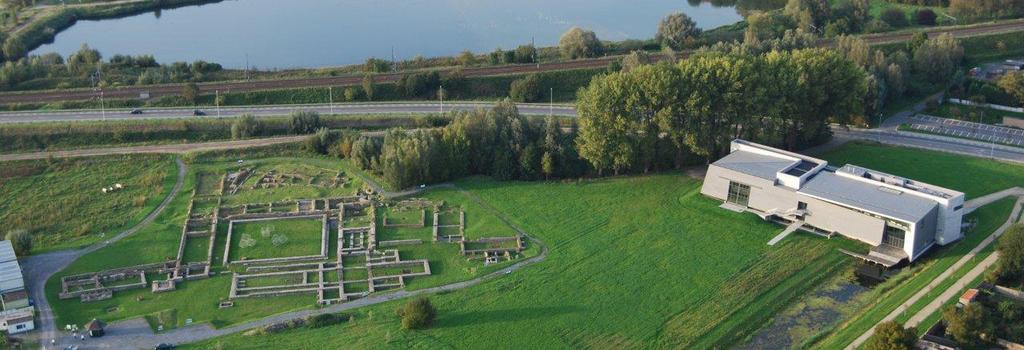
x=10, y=271
x=755, y=164
x=877, y=199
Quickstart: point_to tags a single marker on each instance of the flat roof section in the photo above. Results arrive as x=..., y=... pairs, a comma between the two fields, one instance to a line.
x=754, y=164
x=801, y=168
x=10, y=271
x=884, y=201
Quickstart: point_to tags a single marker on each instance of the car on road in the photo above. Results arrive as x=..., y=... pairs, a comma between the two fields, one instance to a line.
x=198, y=113
x=164, y=346
x=135, y=111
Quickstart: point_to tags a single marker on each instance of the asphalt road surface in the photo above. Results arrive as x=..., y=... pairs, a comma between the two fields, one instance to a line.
x=274, y=110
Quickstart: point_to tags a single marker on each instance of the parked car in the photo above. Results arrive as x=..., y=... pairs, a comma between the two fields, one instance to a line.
x=135, y=111
x=198, y=113
x=164, y=346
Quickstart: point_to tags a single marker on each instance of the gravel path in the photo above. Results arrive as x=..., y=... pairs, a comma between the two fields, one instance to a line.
x=39, y=268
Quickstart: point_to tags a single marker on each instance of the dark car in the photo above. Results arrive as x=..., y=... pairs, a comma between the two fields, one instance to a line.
x=198, y=113
x=135, y=111
x=164, y=346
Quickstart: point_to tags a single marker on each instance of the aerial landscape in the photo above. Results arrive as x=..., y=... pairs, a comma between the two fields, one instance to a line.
x=745, y=174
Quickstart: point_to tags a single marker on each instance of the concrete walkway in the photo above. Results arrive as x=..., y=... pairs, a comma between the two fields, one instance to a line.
x=937, y=303
x=39, y=268
x=971, y=205
x=789, y=229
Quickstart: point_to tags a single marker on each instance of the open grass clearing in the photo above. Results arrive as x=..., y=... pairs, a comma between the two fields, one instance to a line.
x=259, y=239
x=61, y=203
x=196, y=249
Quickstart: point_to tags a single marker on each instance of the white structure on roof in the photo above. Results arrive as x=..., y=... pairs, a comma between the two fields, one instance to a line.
x=900, y=218
x=17, y=314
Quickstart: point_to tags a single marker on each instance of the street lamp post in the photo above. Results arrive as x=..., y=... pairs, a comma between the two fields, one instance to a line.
x=330, y=98
x=103, y=110
x=440, y=97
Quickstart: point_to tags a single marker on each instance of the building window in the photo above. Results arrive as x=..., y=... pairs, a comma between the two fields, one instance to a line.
x=20, y=326
x=738, y=194
x=893, y=236
x=801, y=206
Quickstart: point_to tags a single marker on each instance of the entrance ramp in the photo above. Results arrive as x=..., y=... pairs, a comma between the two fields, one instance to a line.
x=796, y=225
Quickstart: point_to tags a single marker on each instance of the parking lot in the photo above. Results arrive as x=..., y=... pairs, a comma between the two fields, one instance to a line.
x=965, y=129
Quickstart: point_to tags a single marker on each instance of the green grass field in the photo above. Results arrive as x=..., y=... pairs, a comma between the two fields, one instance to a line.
x=310, y=166
x=197, y=300
x=61, y=203
x=646, y=260
x=665, y=268
x=303, y=238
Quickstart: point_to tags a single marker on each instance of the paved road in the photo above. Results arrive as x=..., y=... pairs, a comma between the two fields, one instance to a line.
x=39, y=268
x=935, y=143
x=952, y=290
x=351, y=80
x=277, y=110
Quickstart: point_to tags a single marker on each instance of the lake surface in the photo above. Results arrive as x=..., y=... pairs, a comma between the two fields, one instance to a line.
x=318, y=33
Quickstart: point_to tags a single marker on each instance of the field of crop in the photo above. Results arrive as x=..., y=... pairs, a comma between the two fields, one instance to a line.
x=62, y=204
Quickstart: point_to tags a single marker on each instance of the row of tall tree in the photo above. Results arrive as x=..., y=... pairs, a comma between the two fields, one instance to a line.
x=498, y=142
x=655, y=114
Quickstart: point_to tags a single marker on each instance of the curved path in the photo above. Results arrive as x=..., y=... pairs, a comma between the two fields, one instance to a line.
x=39, y=268
x=136, y=334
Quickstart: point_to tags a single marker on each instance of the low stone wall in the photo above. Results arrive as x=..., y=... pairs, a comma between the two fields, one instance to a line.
x=399, y=242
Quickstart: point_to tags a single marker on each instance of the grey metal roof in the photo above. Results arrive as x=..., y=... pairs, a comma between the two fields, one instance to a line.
x=10, y=271
x=873, y=198
x=754, y=164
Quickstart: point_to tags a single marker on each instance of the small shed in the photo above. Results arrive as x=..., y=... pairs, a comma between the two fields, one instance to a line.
x=95, y=328
x=968, y=297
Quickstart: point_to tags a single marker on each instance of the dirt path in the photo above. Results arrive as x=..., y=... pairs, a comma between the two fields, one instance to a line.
x=39, y=268
x=937, y=303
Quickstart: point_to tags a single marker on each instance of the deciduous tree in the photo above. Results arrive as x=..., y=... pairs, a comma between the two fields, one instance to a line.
x=677, y=31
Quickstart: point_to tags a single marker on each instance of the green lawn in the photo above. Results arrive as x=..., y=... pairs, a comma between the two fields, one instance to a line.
x=61, y=203
x=633, y=262
x=304, y=238
x=973, y=176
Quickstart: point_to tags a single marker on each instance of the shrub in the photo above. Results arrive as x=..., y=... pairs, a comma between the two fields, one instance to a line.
x=892, y=336
x=580, y=43
x=525, y=54
x=895, y=17
x=245, y=126
x=375, y=65
x=304, y=122
x=527, y=89
x=925, y=17
x=351, y=94
x=21, y=240
x=417, y=314
x=419, y=84
x=677, y=31
x=324, y=320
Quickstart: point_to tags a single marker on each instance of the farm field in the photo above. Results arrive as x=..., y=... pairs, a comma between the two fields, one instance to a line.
x=198, y=300
x=61, y=204
x=696, y=276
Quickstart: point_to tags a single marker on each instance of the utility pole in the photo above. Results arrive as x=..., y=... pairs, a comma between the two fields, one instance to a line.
x=330, y=97
x=216, y=101
x=103, y=110
x=247, y=66
x=551, y=104
x=533, y=44
x=440, y=96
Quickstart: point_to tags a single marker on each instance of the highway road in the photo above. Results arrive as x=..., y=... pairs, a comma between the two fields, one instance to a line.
x=275, y=110
x=133, y=92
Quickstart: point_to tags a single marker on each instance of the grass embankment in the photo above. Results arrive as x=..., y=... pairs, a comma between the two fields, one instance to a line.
x=972, y=114
x=198, y=300
x=30, y=137
x=973, y=176
x=60, y=201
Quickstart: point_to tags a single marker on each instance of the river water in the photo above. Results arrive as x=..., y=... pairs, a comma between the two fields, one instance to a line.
x=319, y=33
